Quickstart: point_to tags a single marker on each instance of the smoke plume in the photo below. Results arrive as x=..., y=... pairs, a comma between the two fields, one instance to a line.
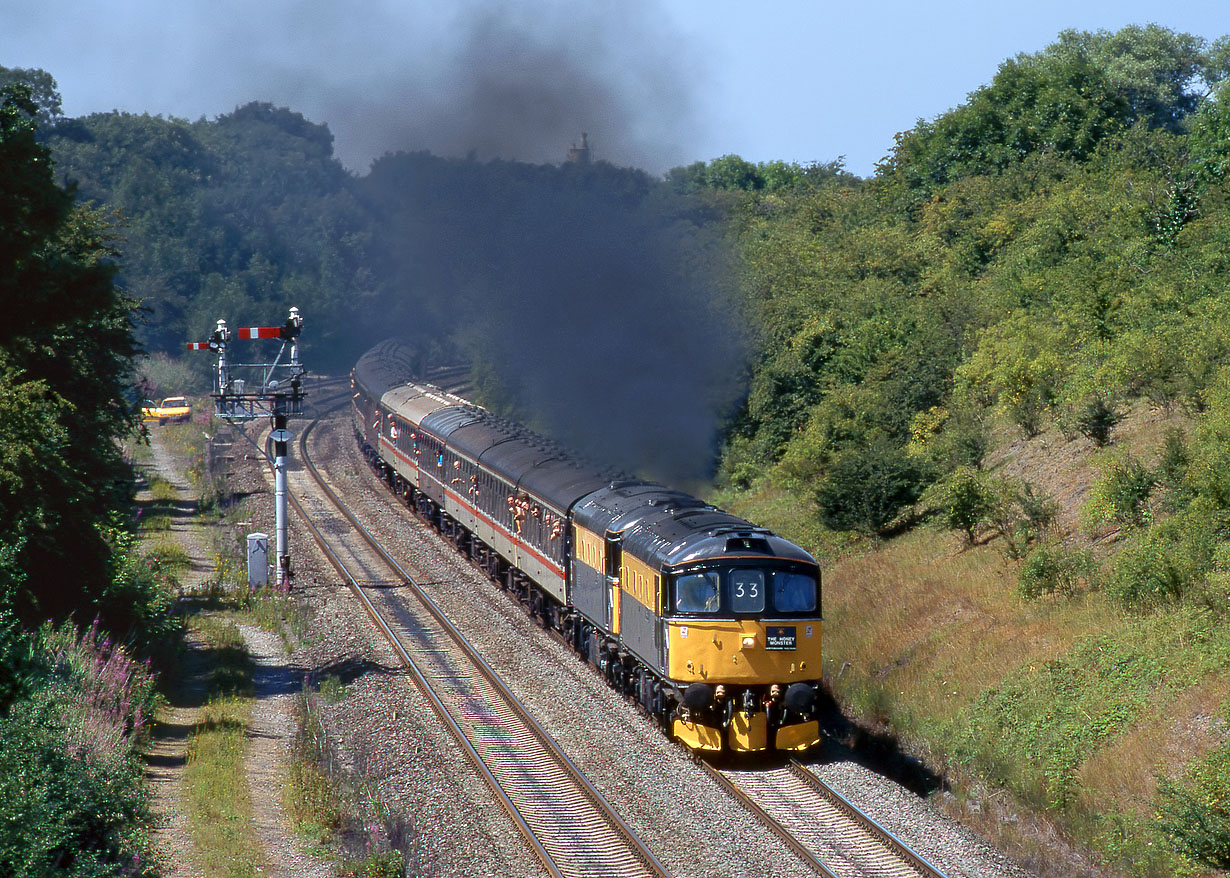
x=506, y=80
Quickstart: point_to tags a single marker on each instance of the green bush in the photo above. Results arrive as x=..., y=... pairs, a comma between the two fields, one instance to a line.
x=1171, y=470
x=1051, y=568
x=1038, y=513
x=1194, y=811
x=18, y=648
x=332, y=689
x=1208, y=466
x=866, y=485
x=967, y=499
x=741, y=465
x=72, y=795
x=970, y=500
x=1096, y=417
x=1120, y=496
x=138, y=603
x=64, y=810
x=1165, y=563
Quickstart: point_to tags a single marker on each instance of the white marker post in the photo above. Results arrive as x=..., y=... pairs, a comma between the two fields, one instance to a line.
x=281, y=438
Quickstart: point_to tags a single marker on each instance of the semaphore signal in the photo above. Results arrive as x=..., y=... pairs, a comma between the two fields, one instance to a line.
x=241, y=399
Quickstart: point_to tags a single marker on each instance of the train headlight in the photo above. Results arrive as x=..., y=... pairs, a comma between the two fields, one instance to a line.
x=749, y=641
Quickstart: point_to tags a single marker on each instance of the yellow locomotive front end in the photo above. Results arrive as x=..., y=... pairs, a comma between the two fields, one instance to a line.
x=743, y=645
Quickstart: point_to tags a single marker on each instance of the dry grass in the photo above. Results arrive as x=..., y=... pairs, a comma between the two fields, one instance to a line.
x=947, y=624
x=1174, y=734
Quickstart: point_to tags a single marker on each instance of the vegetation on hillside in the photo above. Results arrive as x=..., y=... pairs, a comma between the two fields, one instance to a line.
x=230, y=218
x=1027, y=298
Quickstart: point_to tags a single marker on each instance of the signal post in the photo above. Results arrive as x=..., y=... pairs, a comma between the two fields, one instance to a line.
x=238, y=399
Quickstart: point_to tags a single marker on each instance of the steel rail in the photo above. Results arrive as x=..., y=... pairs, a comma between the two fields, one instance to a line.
x=847, y=829
x=803, y=852
x=900, y=848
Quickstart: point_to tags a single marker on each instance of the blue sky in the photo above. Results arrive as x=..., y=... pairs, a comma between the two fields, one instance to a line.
x=656, y=83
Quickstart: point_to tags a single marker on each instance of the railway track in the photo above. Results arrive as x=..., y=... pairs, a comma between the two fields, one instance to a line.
x=827, y=832
x=564, y=819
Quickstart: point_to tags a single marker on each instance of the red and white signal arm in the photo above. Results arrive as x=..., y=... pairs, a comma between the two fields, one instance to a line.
x=259, y=332
x=199, y=345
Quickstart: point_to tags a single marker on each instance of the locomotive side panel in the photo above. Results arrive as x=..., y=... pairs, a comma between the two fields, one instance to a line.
x=640, y=628
x=589, y=586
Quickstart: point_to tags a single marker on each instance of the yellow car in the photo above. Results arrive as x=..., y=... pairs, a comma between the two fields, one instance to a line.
x=174, y=409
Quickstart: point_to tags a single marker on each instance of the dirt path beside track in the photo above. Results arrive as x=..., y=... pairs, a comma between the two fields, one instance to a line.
x=272, y=723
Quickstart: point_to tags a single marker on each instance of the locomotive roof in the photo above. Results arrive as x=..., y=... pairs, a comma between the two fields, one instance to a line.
x=706, y=534
x=619, y=505
x=668, y=528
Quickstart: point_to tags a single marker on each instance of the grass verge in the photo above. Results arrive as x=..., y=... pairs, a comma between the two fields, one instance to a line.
x=223, y=833
x=338, y=809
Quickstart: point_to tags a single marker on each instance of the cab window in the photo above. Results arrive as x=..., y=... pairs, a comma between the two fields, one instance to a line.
x=698, y=592
x=747, y=591
x=793, y=592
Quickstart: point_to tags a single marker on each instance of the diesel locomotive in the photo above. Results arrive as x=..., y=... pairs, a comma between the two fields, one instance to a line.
x=711, y=624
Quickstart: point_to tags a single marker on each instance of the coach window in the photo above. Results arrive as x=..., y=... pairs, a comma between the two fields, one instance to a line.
x=488, y=494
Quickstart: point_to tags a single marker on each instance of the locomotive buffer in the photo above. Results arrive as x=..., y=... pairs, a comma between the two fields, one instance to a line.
x=263, y=396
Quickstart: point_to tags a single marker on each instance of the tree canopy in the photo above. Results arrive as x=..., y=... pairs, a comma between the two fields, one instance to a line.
x=66, y=356
x=1064, y=100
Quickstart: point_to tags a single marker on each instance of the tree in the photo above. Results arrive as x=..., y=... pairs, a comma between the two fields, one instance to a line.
x=1161, y=75
x=1210, y=135
x=1066, y=99
x=43, y=92
x=866, y=486
x=66, y=351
